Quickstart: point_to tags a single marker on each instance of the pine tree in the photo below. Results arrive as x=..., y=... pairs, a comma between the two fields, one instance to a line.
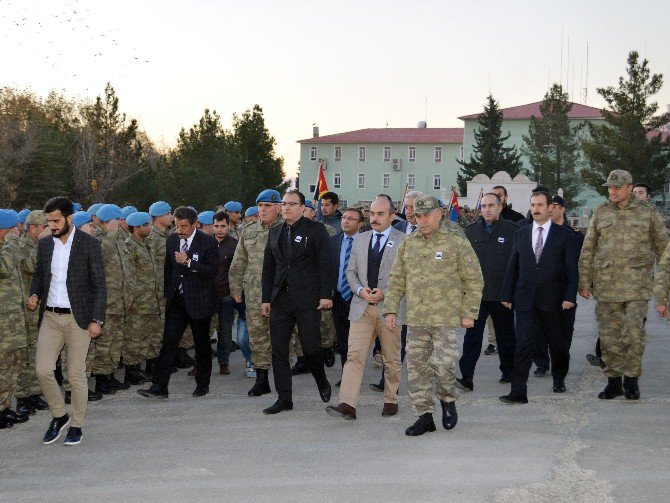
x=552, y=147
x=622, y=142
x=490, y=154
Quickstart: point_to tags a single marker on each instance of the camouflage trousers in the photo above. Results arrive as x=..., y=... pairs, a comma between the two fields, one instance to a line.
x=28, y=384
x=622, y=336
x=259, y=336
x=109, y=345
x=90, y=356
x=140, y=331
x=432, y=355
x=327, y=333
x=9, y=375
x=492, y=332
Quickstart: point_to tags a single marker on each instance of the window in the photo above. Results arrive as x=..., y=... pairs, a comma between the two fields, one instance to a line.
x=312, y=153
x=337, y=179
x=410, y=181
x=344, y=203
x=386, y=181
x=338, y=154
x=461, y=153
x=361, y=180
x=412, y=154
x=437, y=181
x=438, y=154
x=361, y=154
x=387, y=154
x=312, y=188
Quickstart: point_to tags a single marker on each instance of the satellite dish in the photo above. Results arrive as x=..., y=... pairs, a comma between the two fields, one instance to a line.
x=422, y=125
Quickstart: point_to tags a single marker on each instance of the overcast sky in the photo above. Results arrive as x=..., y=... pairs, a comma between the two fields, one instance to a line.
x=344, y=65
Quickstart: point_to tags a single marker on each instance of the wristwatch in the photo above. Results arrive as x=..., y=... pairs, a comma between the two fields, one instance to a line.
x=101, y=323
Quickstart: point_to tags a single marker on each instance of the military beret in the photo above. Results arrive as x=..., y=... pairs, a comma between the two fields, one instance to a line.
x=127, y=210
x=159, y=208
x=556, y=199
x=309, y=203
x=80, y=218
x=206, y=218
x=251, y=211
x=37, y=217
x=268, y=196
x=93, y=209
x=232, y=206
x=617, y=178
x=138, y=218
x=8, y=219
x=109, y=212
x=426, y=204
x=76, y=207
x=23, y=214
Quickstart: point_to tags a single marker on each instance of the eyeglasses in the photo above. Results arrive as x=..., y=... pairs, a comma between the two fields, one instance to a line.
x=289, y=204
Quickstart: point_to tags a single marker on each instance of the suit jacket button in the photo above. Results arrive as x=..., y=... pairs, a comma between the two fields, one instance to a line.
x=181, y=275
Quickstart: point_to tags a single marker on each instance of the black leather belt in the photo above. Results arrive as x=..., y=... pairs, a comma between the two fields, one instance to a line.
x=58, y=310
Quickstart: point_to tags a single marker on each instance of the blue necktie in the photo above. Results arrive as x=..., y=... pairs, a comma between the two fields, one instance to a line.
x=376, y=247
x=345, y=291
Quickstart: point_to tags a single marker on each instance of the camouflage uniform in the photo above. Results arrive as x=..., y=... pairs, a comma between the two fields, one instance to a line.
x=118, y=282
x=452, y=226
x=245, y=274
x=617, y=266
x=442, y=282
x=157, y=241
x=662, y=282
x=143, y=340
x=13, y=335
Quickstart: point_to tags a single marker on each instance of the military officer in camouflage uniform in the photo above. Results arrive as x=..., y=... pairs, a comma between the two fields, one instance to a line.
x=118, y=282
x=93, y=210
x=234, y=211
x=28, y=391
x=245, y=274
x=13, y=336
x=624, y=237
x=141, y=337
x=439, y=274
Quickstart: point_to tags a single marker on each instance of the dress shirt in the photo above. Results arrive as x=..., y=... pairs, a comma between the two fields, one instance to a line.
x=343, y=250
x=58, y=296
x=410, y=228
x=536, y=232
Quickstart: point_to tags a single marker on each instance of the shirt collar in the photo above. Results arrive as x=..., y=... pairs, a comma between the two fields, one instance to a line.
x=69, y=239
x=189, y=239
x=385, y=233
x=544, y=226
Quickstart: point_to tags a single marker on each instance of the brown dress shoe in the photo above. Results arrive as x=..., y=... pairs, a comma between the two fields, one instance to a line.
x=390, y=409
x=343, y=410
x=224, y=370
x=192, y=372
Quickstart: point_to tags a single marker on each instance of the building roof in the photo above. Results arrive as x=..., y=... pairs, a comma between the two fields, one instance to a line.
x=393, y=135
x=665, y=135
x=521, y=112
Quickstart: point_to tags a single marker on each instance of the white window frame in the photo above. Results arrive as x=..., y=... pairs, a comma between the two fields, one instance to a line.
x=411, y=154
x=361, y=153
x=411, y=181
x=386, y=180
x=387, y=154
x=313, y=153
x=337, y=181
x=438, y=154
x=338, y=153
x=361, y=180
x=437, y=177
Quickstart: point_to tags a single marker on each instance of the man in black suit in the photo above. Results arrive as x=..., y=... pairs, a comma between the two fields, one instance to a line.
x=191, y=264
x=297, y=283
x=69, y=285
x=540, y=282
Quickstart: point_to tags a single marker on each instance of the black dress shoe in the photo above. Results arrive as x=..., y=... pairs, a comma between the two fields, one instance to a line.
x=11, y=416
x=279, y=406
x=24, y=407
x=540, y=372
x=93, y=396
x=377, y=388
x=559, y=386
x=422, y=425
x=631, y=390
x=328, y=357
x=154, y=391
x=594, y=360
x=612, y=390
x=300, y=367
x=465, y=384
x=325, y=392
x=57, y=425
x=38, y=402
x=490, y=350
x=449, y=415
x=201, y=391
x=514, y=398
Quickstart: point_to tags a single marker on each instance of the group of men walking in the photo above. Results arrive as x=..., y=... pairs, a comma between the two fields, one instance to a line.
x=123, y=279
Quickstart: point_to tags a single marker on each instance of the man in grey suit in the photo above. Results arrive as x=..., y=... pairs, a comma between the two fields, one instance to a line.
x=368, y=271
x=69, y=285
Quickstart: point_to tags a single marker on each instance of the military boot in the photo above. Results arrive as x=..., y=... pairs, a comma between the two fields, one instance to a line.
x=612, y=390
x=24, y=407
x=449, y=415
x=300, y=367
x=423, y=424
x=133, y=376
x=262, y=385
x=116, y=384
x=630, y=388
x=102, y=385
x=149, y=368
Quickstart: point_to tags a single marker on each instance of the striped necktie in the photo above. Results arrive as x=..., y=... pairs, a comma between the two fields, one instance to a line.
x=538, y=245
x=344, y=289
x=184, y=249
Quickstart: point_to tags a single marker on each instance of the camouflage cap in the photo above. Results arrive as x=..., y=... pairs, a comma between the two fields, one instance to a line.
x=617, y=178
x=36, y=217
x=426, y=204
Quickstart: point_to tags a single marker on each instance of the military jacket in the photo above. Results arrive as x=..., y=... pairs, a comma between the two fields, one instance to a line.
x=247, y=266
x=22, y=249
x=620, y=246
x=13, y=334
x=145, y=292
x=118, y=280
x=157, y=242
x=440, y=278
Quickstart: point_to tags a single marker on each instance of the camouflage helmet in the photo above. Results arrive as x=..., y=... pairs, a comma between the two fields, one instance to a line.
x=617, y=178
x=426, y=204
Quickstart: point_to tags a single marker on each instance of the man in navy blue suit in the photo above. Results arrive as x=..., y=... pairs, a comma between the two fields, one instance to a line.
x=540, y=283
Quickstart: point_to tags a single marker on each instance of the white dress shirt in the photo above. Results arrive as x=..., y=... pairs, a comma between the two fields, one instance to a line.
x=188, y=240
x=58, y=296
x=545, y=231
x=410, y=228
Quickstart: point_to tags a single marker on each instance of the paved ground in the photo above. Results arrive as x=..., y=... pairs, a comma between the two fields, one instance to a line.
x=572, y=448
